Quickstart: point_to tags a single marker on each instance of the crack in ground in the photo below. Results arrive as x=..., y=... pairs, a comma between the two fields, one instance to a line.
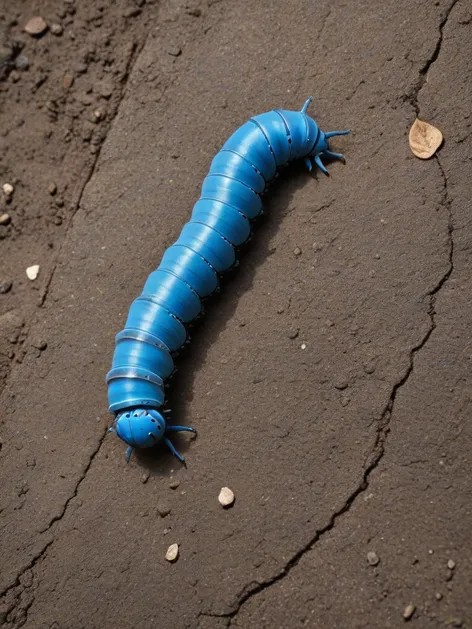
x=58, y=517
x=5, y=608
x=383, y=426
x=124, y=81
x=16, y=603
x=423, y=72
x=383, y=429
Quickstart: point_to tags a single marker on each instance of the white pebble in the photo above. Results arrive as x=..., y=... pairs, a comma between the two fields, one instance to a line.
x=451, y=564
x=373, y=558
x=172, y=552
x=303, y=345
x=409, y=611
x=8, y=189
x=32, y=271
x=226, y=497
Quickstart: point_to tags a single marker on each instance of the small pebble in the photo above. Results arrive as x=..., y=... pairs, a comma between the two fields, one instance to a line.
x=451, y=564
x=163, y=509
x=226, y=497
x=341, y=384
x=67, y=81
x=372, y=558
x=409, y=611
x=145, y=477
x=105, y=89
x=174, y=51
x=36, y=26
x=41, y=345
x=56, y=29
x=293, y=333
x=297, y=251
x=8, y=189
x=166, y=531
x=5, y=287
x=438, y=596
x=22, y=62
x=174, y=484
x=32, y=271
x=303, y=346
x=5, y=219
x=52, y=188
x=172, y=552
x=98, y=115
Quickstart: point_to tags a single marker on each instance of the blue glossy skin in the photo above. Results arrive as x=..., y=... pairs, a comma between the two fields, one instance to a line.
x=188, y=273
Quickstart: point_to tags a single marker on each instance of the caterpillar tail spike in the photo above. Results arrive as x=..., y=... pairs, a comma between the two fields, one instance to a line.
x=304, y=109
x=221, y=222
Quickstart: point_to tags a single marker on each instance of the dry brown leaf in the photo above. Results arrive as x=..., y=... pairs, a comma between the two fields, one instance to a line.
x=424, y=139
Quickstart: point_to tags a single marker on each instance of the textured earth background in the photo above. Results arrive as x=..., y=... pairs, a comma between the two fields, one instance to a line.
x=331, y=381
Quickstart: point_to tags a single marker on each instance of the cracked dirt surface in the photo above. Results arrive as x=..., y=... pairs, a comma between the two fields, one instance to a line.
x=357, y=443
x=51, y=90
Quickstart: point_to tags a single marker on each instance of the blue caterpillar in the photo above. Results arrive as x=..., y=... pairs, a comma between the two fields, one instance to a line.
x=190, y=269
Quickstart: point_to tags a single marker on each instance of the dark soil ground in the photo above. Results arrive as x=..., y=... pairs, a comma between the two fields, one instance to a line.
x=59, y=94
x=330, y=382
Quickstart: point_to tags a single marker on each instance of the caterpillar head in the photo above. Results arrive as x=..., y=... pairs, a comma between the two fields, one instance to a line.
x=139, y=427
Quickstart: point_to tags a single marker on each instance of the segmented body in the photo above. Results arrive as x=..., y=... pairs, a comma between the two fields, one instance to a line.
x=189, y=270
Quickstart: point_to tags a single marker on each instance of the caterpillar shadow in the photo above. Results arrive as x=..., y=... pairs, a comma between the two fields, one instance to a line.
x=219, y=309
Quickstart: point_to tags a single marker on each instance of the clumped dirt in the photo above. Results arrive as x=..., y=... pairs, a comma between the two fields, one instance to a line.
x=59, y=93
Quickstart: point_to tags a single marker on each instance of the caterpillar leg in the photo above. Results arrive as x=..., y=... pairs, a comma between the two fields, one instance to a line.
x=169, y=443
x=181, y=429
x=308, y=163
x=331, y=134
x=129, y=452
x=339, y=156
x=171, y=447
x=320, y=165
